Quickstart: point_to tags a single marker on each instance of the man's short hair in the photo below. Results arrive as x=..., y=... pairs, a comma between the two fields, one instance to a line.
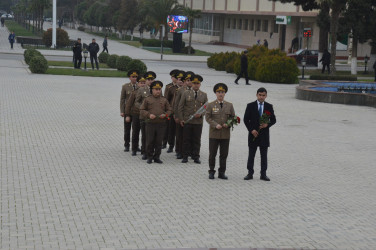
x=262, y=90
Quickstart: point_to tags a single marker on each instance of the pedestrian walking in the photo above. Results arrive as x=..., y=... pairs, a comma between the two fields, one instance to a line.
x=243, y=68
x=325, y=61
x=11, y=39
x=217, y=115
x=77, y=53
x=2, y=21
x=105, y=44
x=258, y=118
x=93, y=50
x=266, y=44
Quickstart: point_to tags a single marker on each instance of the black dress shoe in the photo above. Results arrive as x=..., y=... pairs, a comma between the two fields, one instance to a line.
x=248, y=177
x=211, y=176
x=138, y=149
x=134, y=153
x=185, y=160
x=264, y=178
x=170, y=149
x=164, y=146
x=150, y=161
x=247, y=84
x=158, y=161
x=236, y=82
x=144, y=157
x=126, y=149
x=197, y=161
x=179, y=156
x=222, y=176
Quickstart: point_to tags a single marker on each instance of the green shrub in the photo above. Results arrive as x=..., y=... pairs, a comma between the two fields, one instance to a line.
x=223, y=59
x=122, y=63
x=333, y=77
x=30, y=53
x=62, y=38
x=231, y=65
x=138, y=65
x=38, y=64
x=103, y=57
x=277, y=69
x=112, y=60
x=81, y=28
x=211, y=60
x=185, y=50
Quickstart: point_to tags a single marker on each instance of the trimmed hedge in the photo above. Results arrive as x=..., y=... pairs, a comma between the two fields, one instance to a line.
x=30, y=53
x=112, y=60
x=103, y=57
x=333, y=77
x=263, y=65
x=62, y=38
x=38, y=64
x=138, y=65
x=122, y=63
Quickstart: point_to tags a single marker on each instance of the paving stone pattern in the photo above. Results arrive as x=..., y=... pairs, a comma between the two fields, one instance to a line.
x=67, y=184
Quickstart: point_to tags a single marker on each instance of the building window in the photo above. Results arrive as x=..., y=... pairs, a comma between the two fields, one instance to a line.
x=258, y=28
x=228, y=23
x=245, y=26
x=240, y=22
x=265, y=27
x=251, y=24
x=234, y=23
x=276, y=28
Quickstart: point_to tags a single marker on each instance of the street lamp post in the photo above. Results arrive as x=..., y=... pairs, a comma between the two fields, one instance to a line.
x=85, y=56
x=303, y=66
x=162, y=33
x=365, y=64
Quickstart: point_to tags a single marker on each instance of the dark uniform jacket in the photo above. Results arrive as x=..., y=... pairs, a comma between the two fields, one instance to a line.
x=252, y=122
x=216, y=115
x=93, y=48
x=188, y=105
x=126, y=92
x=130, y=107
x=141, y=95
x=77, y=49
x=178, y=95
x=170, y=91
x=156, y=106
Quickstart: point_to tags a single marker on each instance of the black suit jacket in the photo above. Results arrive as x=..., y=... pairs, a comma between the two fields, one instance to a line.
x=252, y=122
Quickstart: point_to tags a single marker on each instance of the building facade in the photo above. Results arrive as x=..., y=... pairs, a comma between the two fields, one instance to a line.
x=245, y=22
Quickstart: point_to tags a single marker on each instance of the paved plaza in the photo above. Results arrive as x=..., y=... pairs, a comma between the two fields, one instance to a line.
x=65, y=182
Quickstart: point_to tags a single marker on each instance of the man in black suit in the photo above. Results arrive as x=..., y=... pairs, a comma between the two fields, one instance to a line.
x=258, y=135
x=243, y=68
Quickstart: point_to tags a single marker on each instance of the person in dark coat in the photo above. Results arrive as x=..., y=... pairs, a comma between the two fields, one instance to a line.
x=77, y=51
x=325, y=61
x=258, y=134
x=105, y=44
x=11, y=39
x=243, y=68
x=374, y=69
x=266, y=44
x=2, y=21
x=93, y=50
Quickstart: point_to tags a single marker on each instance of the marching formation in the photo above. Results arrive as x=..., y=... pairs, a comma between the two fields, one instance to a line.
x=175, y=119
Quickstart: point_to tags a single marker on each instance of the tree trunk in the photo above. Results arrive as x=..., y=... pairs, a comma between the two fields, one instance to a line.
x=336, y=11
x=190, y=38
x=324, y=33
x=354, y=55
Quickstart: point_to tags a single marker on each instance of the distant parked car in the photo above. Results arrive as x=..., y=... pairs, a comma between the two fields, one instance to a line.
x=311, y=56
x=7, y=16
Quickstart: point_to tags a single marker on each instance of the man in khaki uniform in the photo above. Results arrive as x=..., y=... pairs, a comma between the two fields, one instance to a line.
x=141, y=95
x=126, y=92
x=187, y=84
x=167, y=94
x=190, y=102
x=170, y=92
x=217, y=114
x=155, y=110
x=133, y=111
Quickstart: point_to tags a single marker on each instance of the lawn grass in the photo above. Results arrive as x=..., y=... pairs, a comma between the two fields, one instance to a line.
x=45, y=48
x=136, y=44
x=93, y=73
x=70, y=64
x=18, y=29
x=168, y=51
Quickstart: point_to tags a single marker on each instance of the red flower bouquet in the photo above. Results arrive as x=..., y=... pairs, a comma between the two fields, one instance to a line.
x=234, y=120
x=265, y=118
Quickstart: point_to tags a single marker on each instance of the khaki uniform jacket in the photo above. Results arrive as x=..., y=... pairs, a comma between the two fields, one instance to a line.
x=130, y=107
x=177, y=98
x=156, y=106
x=141, y=94
x=188, y=105
x=126, y=92
x=170, y=91
x=216, y=115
